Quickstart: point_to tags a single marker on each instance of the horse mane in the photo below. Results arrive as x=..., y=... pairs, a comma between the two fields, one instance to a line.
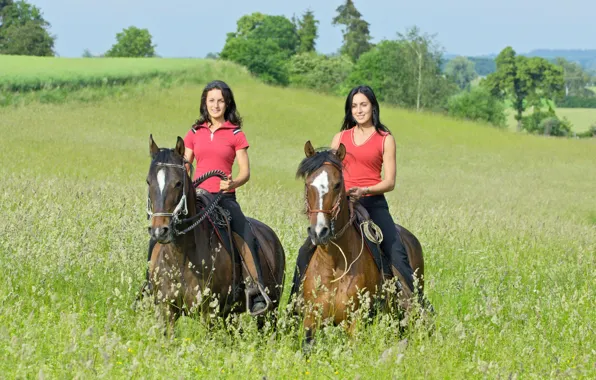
x=166, y=156
x=314, y=162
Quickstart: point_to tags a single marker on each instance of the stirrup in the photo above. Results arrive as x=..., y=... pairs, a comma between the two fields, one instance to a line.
x=252, y=290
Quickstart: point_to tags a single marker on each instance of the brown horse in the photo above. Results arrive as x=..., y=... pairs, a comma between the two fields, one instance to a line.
x=341, y=269
x=190, y=270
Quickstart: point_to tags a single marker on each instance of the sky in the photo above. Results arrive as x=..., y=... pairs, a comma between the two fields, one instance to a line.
x=193, y=28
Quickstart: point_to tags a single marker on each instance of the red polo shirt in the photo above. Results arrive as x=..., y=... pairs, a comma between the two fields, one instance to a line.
x=215, y=151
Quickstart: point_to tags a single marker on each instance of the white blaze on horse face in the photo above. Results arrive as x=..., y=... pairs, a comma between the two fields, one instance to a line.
x=321, y=183
x=161, y=180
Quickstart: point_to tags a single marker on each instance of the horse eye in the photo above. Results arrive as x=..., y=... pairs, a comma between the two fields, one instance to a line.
x=337, y=185
x=178, y=184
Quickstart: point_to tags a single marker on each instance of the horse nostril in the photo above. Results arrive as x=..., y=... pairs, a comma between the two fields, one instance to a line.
x=323, y=233
x=160, y=232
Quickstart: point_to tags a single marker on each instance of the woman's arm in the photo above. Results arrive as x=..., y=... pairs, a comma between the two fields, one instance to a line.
x=189, y=155
x=243, y=174
x=336, y=140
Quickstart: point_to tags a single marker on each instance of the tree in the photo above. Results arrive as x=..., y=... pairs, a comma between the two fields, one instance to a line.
x=132, y=42
x=307, y=32
x=278, y=29
x=526, y=81
x=4, y=4
x=461, y=71
x=264, y=44
x=423, y=57
x=319, y=72
x=483, y=66
x=576, y=79
x=356, y=36
x=265, y=59
x=391, y=70
x=23, y=30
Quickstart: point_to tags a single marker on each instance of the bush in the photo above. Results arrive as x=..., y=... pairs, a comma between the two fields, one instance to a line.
x=553, y=126
x=478, y=105
x=319, y=72
x=589, y=133
x=547, y=123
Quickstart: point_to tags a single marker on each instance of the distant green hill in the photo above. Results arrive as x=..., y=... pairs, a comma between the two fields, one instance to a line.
x=586, y=58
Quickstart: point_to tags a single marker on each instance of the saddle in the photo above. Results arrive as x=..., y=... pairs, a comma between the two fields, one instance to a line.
x=220, y=218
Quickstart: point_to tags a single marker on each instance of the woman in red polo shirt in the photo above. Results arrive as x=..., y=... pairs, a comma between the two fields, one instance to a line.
x=215, y=141
x=369, y=148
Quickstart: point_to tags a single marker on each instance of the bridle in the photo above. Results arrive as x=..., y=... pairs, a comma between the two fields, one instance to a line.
x=334, y=211
x=182, y=206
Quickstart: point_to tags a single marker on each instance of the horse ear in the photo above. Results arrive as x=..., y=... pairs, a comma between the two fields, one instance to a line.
x=180, y=146
x=308, y=149
x=341, y=151
x=153, y=148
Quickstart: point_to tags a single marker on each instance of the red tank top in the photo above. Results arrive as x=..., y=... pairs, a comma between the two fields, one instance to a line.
x=363, y=163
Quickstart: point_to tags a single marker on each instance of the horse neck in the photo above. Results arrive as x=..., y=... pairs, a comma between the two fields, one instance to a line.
x=194, y=244
x=347, y=238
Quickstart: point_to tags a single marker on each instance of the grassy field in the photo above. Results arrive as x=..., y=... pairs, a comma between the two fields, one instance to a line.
x=507, y=223
x=24, y=73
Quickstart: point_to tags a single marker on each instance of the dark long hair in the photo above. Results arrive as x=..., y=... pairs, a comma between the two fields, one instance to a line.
x=231, y=114
x=350, y=122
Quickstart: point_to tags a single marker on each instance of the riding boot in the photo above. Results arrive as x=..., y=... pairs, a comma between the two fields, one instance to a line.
x=257, y=300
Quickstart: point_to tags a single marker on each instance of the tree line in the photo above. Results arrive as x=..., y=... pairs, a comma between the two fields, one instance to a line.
x=409, y=70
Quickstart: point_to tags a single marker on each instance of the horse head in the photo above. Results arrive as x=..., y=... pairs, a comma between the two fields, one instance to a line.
x=169, y=185
x=324, y=190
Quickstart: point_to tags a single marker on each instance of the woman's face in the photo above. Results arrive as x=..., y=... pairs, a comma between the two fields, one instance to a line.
x=216, y=105
x=361, y=109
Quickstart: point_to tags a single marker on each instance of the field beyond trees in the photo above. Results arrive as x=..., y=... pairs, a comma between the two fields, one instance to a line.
x=507, y=223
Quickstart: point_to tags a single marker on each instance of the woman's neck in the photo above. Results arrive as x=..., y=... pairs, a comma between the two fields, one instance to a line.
x=365, y=127
x=216, y=123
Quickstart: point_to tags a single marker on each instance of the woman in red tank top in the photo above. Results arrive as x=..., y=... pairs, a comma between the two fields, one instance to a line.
x=370, y=147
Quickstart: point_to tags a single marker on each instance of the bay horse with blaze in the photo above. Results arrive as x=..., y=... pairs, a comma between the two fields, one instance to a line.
x=342, y=269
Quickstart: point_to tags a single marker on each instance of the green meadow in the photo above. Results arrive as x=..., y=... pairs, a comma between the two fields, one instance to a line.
x=507, y=223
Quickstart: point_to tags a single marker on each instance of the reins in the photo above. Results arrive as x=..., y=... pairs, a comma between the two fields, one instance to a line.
x=182, y=206
x=334, y=212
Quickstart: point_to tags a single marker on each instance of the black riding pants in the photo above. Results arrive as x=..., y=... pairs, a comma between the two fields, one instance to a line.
x=240, y=225
x=392, y=246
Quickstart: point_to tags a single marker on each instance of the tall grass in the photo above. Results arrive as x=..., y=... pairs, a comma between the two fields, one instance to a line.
x=506, y=222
